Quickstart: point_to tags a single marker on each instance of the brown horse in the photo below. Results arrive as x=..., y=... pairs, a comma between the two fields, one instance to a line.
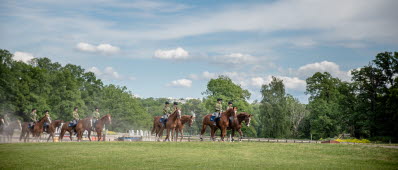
x=180, y=124
x=83, y=125
x=8, y=131
x=237, y=124
x=36, y=131
x=223, y=124
x=100, y=125
x=157, y=125
x=66, y=128
x=170, y=125
x=53, y=127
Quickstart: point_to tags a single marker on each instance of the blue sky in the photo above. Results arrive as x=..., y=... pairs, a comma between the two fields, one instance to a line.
x=172, y=48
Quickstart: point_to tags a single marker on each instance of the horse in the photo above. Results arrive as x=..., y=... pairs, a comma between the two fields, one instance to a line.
x=222, y=124
x=157, y=125
x=37, y=129
x=83, y=125
x=237, y=124
x=170, y=125
x=53, y=127
x=180, y=124
x=65, y=127
x=8, y=131
x=100, y=125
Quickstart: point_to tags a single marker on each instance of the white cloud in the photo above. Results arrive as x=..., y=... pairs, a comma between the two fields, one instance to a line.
x=293, y=83
x=203, y=76
x=109, y=73
x=180, y=83
x=235, y=59
x=174, y=54
x=324, y=66
x=22, y=56
x=101, y=48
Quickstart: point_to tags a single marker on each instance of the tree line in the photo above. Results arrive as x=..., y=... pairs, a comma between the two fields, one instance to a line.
x=365, y=107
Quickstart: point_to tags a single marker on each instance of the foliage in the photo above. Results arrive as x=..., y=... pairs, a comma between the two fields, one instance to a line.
x=45, y=85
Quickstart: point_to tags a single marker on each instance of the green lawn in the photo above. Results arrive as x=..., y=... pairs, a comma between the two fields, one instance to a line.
x=194, y=155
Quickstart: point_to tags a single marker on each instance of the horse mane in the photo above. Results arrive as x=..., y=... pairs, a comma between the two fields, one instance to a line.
x=229, y=112
x=42, y=118
x=174, y=114
x=187, y=117
x=103, y=117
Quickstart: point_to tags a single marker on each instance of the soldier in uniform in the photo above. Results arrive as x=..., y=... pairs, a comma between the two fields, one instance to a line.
x=229, y=105
x=175, y=107
x=32, y=118
x=6, y=119
x=96, y=116
x=76, y=118
x=46, y=124
x=166, y=112
x=218, y=109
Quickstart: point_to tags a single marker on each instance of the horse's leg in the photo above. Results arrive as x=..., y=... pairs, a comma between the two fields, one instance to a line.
x=241, y=134
x=212, y=133
x=176, y=134
x=89, y=135
x=70, y=135
x=182, y=134
x=99, y=135
x=203, y=131
x=49, y=135
x=233, y=134
x=167, y=135
x=223, y=133
x=22, y=134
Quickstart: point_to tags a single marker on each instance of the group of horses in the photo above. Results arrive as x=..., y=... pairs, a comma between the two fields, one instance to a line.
x=229, y=120
x=82, y=125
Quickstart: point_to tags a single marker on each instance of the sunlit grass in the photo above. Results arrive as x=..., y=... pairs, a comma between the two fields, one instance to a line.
x=194, y=155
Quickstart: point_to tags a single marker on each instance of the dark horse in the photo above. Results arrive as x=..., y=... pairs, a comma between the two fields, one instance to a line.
x=8, y=131
x=237, y=124
x=100, y=125
x=171, y=124
x=53, y=127
x=37, y=129
x=65, y=127
x=83, y=125
x=157, y=125
x=180, y=124
x=223, y=124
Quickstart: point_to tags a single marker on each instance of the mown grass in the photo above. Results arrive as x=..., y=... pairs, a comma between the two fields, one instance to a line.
x=194, y=155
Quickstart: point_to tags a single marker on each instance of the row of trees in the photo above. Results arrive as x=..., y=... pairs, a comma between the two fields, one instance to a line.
x=365, y=107
x=47, y=85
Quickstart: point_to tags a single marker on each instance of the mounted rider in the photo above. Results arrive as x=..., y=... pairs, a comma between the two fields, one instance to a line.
x=6, y=119
x=230, y=105
x=175, y=107
x=166, y=113
x=32, y=118
x=75, y=117
x=46, y=124
x=218, y=110
x=96, y=116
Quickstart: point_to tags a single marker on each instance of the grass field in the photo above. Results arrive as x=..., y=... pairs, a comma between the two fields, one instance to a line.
x=194, y=155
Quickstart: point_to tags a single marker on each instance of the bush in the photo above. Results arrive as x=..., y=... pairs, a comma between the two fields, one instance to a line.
x=353, y=140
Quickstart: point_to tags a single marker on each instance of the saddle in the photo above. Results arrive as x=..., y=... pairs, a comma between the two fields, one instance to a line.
x=163, y=120
x=71, y=124
x=212, y=118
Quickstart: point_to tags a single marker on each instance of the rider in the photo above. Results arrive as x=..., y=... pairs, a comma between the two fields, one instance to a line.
x=6, y=119
x=32, y=118
x=218, y=110
x=229, y=105
x=175, y=106
x=46, y=123
x=75, y=116
x=166, y=112
x=96, y=116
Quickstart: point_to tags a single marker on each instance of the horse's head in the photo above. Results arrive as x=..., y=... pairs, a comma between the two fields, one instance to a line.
x=46, y=118
x=178, y=113
x=192, y=119
x=248, y=119
x=19, y=124
x=232, y=111
x=108, y=118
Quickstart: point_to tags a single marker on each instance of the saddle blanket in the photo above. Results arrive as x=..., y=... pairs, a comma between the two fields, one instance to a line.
x=163, y=120
x=71, y=124
x=212, y=118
